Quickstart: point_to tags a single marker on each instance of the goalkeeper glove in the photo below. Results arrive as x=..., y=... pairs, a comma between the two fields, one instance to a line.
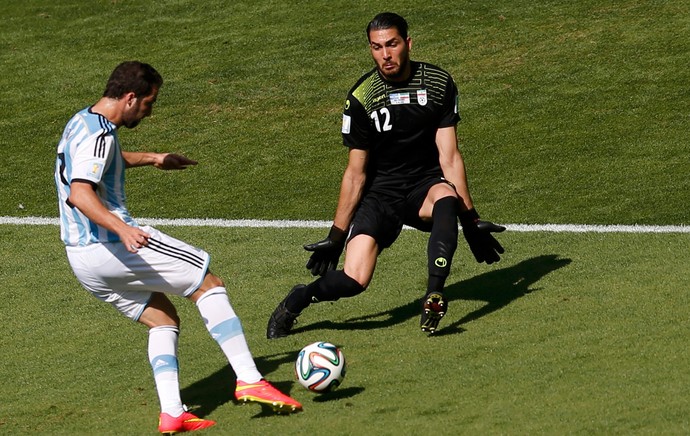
x=326, y=253
x=483, y=245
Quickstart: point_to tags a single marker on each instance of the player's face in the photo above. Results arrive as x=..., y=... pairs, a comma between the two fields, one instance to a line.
x=391, y=53
x=138, y=109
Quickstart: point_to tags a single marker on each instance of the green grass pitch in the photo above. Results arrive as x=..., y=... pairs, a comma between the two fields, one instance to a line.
x=573, y=112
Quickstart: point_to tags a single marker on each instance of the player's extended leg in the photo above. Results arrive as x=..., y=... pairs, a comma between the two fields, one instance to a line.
x=161, y=318
x=224, y=326
x=360, y=262
x=442, y=244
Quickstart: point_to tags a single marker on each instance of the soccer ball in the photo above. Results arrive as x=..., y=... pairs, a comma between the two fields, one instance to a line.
x=320, y=367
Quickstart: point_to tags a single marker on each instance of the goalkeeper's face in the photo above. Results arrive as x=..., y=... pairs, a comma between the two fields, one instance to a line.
x=391, y=53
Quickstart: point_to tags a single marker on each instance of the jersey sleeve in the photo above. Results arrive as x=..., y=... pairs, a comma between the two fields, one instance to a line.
x=91, y=157
x=449, y=113
x=356, y=127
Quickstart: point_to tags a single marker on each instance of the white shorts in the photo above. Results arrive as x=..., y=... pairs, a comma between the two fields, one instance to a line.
x=127, y=280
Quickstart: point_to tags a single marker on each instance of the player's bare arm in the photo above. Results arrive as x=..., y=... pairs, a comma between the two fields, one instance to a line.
x=163, y=161
x=85, y=199
x=483, y=245
x=453, y=165
x=351, y=188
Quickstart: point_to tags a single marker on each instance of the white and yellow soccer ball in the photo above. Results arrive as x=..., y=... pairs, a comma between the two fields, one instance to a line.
x=320, y=367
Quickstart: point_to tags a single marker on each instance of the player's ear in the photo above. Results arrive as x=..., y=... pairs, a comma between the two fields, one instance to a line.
x=408, y=41
x=130, y=98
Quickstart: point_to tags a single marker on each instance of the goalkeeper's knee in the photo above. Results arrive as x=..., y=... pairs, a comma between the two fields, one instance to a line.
x=335, y=285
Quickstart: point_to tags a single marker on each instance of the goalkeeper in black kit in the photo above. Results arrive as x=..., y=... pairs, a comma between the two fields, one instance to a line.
x=404, y=168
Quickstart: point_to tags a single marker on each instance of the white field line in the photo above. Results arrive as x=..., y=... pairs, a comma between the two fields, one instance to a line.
x=196, y=222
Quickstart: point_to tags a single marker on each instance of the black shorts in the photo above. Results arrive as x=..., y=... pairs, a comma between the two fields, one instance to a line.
x=382, y=215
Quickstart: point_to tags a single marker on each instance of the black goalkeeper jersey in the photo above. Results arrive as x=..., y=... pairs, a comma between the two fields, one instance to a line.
x=397, y=124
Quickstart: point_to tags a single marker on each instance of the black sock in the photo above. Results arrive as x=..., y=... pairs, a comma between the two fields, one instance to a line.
x=298, y=299
x=442, y=242
x=333, y=286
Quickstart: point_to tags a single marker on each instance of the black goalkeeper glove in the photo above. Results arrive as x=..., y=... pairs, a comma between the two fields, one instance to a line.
x=483, y=245
x=326, y=253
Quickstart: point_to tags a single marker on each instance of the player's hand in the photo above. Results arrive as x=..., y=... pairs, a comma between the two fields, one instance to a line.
x=478, y=235
x=326, y=253
x=172, y=161
x=134, y=238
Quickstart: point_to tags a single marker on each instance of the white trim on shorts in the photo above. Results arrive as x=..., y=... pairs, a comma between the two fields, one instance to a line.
x=127, y=280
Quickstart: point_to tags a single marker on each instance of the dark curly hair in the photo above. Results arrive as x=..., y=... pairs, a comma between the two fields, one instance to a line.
x=132, y=76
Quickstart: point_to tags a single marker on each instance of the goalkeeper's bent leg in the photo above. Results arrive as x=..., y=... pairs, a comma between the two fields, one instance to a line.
x=333, y=286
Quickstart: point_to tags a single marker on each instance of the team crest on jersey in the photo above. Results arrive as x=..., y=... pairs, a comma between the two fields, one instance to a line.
x=400, y=98
x=96, y=170
x=421, y=97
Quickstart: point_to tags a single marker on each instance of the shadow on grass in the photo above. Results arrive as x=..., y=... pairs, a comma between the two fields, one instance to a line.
x=206, y=395
x=497, y=288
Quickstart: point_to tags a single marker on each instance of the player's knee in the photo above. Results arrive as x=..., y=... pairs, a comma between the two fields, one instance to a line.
x=351, y=287
x=441, y=190
x=449, y=205
x=201, y=294
x=356, y=284
x=164, y=319
x=336, y=285
x=211, y=281
x=172, y=320
x=159, y=312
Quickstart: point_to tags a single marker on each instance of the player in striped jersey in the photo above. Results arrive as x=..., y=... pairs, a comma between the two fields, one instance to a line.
x=133, y=267
x=404, y=168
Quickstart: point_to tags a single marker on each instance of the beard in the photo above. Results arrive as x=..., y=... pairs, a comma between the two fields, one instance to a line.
x=130, y=124
x=131, y=119
x=397, y=74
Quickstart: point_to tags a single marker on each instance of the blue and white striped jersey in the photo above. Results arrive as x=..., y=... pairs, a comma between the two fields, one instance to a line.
x=89, y=151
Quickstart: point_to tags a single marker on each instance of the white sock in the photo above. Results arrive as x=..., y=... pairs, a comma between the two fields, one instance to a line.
x=225, y=327
x=163, y=359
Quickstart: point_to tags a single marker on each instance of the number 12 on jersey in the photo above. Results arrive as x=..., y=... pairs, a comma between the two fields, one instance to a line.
x=386, y=116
